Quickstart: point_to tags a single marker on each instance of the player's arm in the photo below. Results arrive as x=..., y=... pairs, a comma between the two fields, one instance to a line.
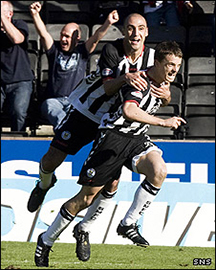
x=133, y=113
x=46, y=38
x=134, y=79
x=92, y=42
x=13, y=33
x=162, y=92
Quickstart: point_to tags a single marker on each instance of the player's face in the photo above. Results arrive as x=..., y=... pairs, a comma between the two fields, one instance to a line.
x=168, y=67
x=136, y=32
x=68, y=38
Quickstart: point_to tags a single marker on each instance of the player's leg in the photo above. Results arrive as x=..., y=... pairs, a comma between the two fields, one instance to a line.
x=153, y=167
x=99, y=206
x=72, y=134
x=49, y=162
x=66, y=215
x=102, y=166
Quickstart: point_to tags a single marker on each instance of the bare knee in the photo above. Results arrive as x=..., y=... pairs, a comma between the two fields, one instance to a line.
x=159, y=175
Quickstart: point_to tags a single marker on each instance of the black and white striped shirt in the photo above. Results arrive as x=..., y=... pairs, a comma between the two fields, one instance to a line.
x=115, y=120
x=89, y=96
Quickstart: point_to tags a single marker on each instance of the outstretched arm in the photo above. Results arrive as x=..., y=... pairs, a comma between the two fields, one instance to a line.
x=46, y=38
x=133, y=113
x=92, y=42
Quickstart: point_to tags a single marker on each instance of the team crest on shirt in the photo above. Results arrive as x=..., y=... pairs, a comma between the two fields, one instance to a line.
x=107, y=71
x=91, y=173
x=137, y=94
x=66, y=135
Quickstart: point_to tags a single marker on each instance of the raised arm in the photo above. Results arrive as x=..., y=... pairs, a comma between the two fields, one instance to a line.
x=46, y=38
x=92, y=42
x=14, y=34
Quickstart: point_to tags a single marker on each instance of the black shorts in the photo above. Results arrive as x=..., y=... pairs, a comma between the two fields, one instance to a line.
x=74, y=132
x=111, y=151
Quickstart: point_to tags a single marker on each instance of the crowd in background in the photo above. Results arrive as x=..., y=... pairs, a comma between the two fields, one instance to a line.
x=17, y=76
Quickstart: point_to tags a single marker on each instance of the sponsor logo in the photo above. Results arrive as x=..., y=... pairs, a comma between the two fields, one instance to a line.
x=66, y=135
x=137, y=94
x=107, y=71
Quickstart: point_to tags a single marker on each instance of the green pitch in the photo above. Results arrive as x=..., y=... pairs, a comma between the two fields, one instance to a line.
x=20, y=255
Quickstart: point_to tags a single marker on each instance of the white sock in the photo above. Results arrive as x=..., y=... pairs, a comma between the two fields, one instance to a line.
x=144, y=196
x=62, y=220
x=95, y=210
x=45, y=177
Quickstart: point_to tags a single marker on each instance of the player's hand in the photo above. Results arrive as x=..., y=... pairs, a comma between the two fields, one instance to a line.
x=174, y=122
x=162, y=92
x=35, y=8
x=136, y=80
x=113, y=17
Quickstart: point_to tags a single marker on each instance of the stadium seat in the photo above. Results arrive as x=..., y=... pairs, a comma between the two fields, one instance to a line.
x=93, y=61
x=21, y=10
x=180, y=77
x=55, y=29
x=203, y=13
x=158, y=34
x=124, y=8
x=68, y=11
x=174, y=108
x=33, y=57
x=200, y=70
x=200, y=41
x=200, y=128
x=114, y=32
x=199, y=112
x=161, y=133
x=33, y=39
x=43, y=78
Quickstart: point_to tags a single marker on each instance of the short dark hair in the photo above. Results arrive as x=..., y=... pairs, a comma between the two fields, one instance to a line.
x=167, y=47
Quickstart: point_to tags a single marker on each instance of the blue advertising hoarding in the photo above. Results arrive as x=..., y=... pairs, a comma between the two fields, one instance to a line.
x=182, y=213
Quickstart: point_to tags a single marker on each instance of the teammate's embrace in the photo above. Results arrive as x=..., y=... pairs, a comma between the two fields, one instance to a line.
x=121, y=140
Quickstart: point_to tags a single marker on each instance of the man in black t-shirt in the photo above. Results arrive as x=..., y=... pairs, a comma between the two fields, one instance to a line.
x=16, y=73
x=67, y=62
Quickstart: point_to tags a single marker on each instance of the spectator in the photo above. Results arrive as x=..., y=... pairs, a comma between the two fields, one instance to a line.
x=16, y=74
x=124, y=8
x=163, y=12
x=67, y=62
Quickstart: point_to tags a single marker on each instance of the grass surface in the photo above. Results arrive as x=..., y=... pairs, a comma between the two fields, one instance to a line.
x=20, y=255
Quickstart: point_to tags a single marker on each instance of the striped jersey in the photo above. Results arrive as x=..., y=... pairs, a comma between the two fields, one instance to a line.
x=89, y=96
x=115, y=120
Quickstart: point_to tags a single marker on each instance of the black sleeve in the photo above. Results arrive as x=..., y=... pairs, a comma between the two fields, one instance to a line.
x=23, y=28
x=108, y=61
